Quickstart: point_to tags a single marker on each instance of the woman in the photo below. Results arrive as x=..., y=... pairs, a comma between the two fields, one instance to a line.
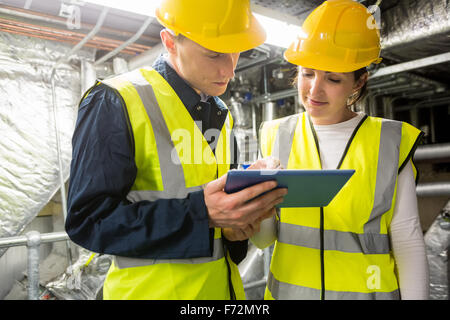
x=367, y=243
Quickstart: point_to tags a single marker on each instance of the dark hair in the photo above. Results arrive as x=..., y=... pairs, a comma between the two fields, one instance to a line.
x=363, y=91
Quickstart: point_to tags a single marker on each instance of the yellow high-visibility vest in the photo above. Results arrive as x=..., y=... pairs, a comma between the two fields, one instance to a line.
x=341, y=251
x=172, y=159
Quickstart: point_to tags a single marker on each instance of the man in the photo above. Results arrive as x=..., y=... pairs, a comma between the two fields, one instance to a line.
x=147, y=175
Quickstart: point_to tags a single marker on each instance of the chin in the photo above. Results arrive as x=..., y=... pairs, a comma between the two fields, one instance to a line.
x=314, y=111
x=215, y=93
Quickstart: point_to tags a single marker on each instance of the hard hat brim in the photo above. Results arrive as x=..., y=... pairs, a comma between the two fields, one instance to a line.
x=251, y=38
x=319, y=62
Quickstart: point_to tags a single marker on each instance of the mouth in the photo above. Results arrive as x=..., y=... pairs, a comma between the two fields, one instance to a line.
x=316, y=103
x=221, y=84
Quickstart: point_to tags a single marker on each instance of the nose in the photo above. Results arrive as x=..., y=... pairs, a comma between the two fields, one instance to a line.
x=228, y=65
x=315, y=86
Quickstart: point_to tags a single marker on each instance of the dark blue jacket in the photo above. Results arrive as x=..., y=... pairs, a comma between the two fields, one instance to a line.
x=103, y=170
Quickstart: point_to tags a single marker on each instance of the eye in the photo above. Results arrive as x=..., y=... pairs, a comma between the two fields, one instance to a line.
x=214, y=55
x=335, y=80
x=307, y=75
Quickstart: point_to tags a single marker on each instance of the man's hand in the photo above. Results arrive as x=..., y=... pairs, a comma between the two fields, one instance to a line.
x=241, y=209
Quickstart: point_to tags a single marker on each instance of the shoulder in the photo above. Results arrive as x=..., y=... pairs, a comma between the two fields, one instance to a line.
x=100, y=96
x=406, y=128
x=102, y=110
x=273, y=125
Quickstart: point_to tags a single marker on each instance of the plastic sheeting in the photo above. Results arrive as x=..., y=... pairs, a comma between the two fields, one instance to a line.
x=83, y=280
x=28, y=154
x=251, y=270
x=437, y=241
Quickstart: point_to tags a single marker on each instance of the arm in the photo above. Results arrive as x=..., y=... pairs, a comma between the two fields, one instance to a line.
x=408, y=245
x=103, y=171
x=267, y=233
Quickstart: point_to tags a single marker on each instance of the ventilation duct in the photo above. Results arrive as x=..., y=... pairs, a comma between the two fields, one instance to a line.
x=28, y=152
x=420, y=25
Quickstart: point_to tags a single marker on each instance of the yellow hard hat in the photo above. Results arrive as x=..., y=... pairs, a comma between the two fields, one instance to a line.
x=225, y=26
x=338, y=36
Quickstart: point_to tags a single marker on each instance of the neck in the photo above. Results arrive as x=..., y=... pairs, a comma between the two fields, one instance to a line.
x=334, y=119
x=173, y=63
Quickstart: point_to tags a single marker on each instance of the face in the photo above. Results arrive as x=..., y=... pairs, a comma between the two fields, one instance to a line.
x=205, y=70
x=325, y=94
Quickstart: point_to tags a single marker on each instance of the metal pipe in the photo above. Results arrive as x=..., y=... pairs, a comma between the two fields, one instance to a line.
x=88, y=75
x=276, y=96
x=411, y=65
x=33, y=246
x=425, y=104
x=432, y=152
x=37, y=16
x=33, y=240
x=146, y=58
x=433, y=189
x=100, y=44
x=90, y=35
x=256, y=63
x=269, y=111
x=126, y=43
x=18, y=241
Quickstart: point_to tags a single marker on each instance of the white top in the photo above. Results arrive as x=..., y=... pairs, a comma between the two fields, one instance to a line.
x=406, y=235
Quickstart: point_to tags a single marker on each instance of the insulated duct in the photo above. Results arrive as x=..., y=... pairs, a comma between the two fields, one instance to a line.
x=437, y=241
x=420, y=24
x=28, y=152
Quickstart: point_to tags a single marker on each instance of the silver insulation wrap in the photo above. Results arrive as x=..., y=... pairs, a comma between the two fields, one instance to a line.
x=437, y=241
x=84, y=279
x=29, y=175
x=421, y=24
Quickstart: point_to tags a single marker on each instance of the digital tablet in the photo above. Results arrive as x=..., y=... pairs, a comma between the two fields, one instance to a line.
x=306, y=188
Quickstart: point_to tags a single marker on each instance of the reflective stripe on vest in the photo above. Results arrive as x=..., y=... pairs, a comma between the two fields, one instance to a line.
x=348, y=238
x=124, y=262
x=286, y=291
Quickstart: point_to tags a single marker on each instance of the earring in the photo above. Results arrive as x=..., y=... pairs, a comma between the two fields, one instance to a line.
x=352, y=98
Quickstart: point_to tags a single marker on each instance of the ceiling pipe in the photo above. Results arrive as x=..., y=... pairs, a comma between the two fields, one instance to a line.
x=56, y=20
x=433, y=152
x=126, y=43
x=433, y=189
x=411, y=65
x=146, y=58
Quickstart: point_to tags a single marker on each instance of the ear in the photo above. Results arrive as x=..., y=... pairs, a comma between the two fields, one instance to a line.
x=360, y=82
x=168, y=41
